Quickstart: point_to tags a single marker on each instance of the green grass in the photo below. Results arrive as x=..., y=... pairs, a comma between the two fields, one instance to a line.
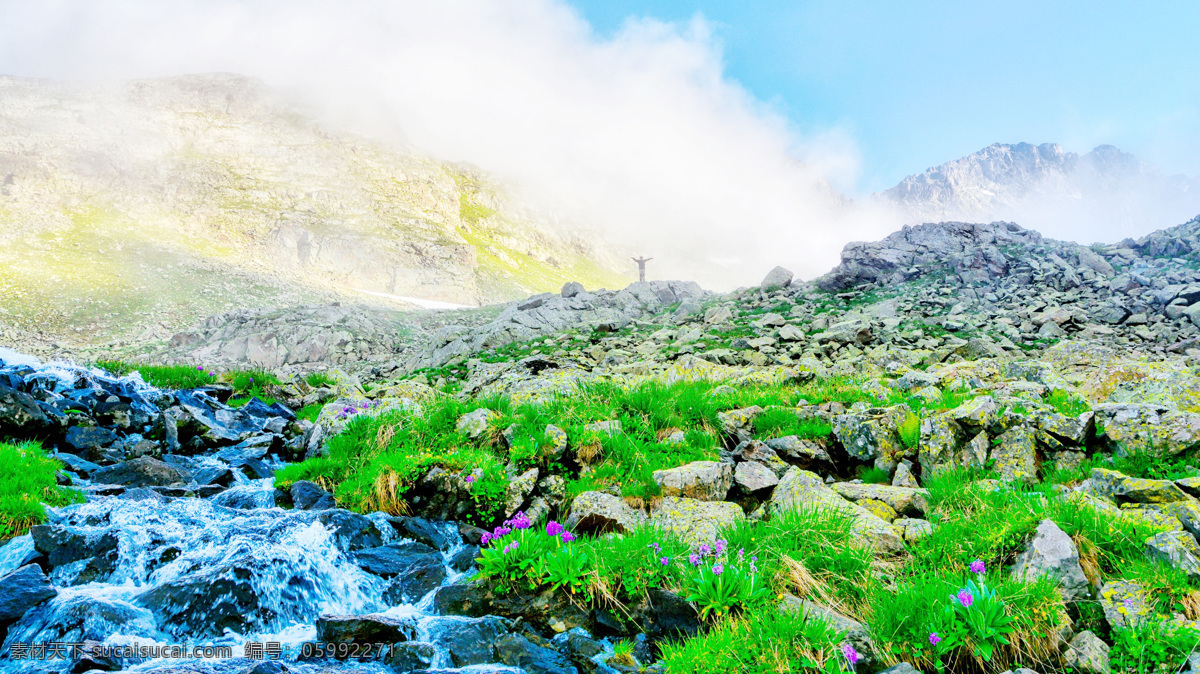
x=27, y=481
x=769, y=641
x=310, y=412
x=1067, y=403
x=319, y=379
x=246, y=383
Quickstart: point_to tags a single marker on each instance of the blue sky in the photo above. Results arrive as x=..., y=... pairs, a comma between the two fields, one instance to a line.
x=915, y=84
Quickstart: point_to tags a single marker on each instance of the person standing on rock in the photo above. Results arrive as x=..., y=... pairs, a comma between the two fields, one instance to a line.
x=641, y=261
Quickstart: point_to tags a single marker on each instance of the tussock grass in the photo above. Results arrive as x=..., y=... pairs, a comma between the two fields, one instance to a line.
x=27, y=481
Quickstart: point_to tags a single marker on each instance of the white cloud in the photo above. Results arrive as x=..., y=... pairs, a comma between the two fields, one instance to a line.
x=641, y=135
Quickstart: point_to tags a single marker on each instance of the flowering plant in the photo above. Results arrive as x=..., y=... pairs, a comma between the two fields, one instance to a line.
x=974, y=617
x=516, y=553
x=721, y=585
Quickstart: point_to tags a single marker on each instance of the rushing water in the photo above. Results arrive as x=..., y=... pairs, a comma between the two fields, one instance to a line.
x=225, y=571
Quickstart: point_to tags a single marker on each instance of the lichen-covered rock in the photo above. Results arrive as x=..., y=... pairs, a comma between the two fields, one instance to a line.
x=1122, y=488
x=556, y=442
x=1052, y=553
x=803, y=489
x=904, y=500
x=871, y=434
x=518, y=490
x=803, y=452
x=754, y=477
x=1177, y=549
x=1145, y=428
x=1015, y=458
x=597, y=512
x=694, y=521
x=879, y=509
x=474, y=424
x=977, y=413
x=913, y=529
x=1087, y=654
x=1124, y=602
x=737, y=420
x=703, y=480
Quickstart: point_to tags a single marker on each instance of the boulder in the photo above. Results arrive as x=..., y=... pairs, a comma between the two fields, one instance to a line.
x=695, y=521
x=1015, y=457
x=913, y=530
x=547, y=611
x=474, y=424
x=365, y=629
x=144, y=471
x=739, y=420
x=21, y=590
x=20, y=413
x=903, y=500
x=1087, y=654
x=519, y=489
x=1053, y=553
x=468, y=641
x=411, y=656
x=1125, y=489
x=88, y=441
x=519, y=651
x=872, y=434
x=351, y=531
x=308, y=496
x=1124, y=603
x=776, y=278
x=703, y=480
x=1178, y=549
x=571, y=289
x=1146, y=428
x=803, y=489
x=754, y=477
x=597, y=512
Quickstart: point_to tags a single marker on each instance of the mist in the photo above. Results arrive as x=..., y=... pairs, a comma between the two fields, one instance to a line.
x=640, y=136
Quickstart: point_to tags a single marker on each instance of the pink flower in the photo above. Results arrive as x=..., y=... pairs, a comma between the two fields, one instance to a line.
x=718, y=569
x=665, y=561
x=694, y=559
x=554, y=528
x=470, y=479
x=965, y=598
x=567, y=537
x=977, y=566
x=934, y=638
x=852, y=655
x=721, y=547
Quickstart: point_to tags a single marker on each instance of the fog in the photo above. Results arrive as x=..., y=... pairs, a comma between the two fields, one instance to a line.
x=640, y=135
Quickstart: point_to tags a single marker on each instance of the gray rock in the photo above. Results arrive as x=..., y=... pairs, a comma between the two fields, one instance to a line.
x=754, y=477
x=474, y=424
x=1087, y=654
x=703, y=480
x=1052, y=553
x=22, y=590
x=776, y=278
x=597, y=512
x=572, y=288
x=1178, y=549
x=695, y=521
x=144, y=471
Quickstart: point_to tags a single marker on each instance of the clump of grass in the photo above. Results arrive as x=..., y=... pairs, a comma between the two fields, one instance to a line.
x=778, y=422
x=27, y=481
x=768, y=641
x=319, y=379
x=873, y=475
x=310, y=412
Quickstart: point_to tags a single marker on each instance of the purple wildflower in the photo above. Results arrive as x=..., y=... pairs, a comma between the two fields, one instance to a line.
x=934, y=638
x=485, y=538
x=718, y=569
x=470, y=479
x=965, y=598
x=721, y=547
x=199, y=368
x=705, y=550
x=665, y=561
x=521, y=521
x=977, y=566
x=852, y=655
x=212, y=374
x=656, y=546
x=554, y=528
x=694, y=559
x=567, y=537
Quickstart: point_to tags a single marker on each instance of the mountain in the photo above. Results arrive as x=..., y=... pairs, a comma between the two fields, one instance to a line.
x=1113, y=193
x=133, y=209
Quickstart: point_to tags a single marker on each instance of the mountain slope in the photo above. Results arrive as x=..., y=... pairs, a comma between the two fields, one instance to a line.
x=158, y=202
x=1112, y=193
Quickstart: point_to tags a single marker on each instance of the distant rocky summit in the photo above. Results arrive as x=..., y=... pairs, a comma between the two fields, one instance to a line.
x=1044, y=187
